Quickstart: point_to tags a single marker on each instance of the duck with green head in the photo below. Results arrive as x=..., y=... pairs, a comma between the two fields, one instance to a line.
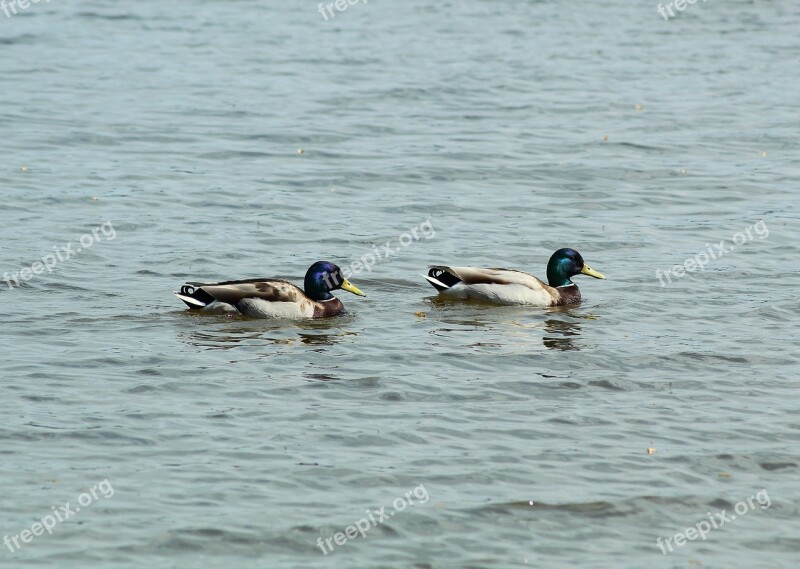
x=274, y=298
x=507, y=286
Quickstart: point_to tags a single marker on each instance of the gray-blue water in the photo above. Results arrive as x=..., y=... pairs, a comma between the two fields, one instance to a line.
x=245, y=139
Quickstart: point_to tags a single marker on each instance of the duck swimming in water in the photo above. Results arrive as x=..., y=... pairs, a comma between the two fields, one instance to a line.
x=507, y=286
x=275, y=298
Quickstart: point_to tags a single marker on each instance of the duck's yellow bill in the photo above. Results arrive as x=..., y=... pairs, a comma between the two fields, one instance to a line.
x=587, y=270
x=350, y=287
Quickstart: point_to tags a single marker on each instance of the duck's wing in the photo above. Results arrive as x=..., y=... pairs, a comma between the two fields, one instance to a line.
x=502, y=286
x=200, y=295
x=447, y=277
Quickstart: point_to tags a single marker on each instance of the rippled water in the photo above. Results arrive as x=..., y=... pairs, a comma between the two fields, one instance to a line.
x=516, y=128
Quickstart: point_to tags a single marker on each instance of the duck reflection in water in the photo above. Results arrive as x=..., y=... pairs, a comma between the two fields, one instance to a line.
x=254, y=332
x=559, y=334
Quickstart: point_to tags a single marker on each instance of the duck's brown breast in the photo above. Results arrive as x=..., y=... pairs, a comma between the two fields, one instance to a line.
x=327, y=308
x=568, y=295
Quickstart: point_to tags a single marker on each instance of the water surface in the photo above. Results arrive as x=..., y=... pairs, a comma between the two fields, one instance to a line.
x=516, y=128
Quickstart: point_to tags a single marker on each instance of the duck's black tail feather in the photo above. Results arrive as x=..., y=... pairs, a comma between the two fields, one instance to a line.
x=441, y=278
x=194, y=297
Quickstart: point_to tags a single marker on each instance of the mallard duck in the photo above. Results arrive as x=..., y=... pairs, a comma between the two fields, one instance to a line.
x=506, y=286
x=275, y=298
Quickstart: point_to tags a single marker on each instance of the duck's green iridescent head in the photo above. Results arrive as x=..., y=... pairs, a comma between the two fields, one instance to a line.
x=565, y=264
x=322, y=277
